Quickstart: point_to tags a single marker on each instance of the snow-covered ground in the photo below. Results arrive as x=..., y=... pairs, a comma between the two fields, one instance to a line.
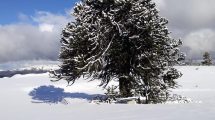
x=34, y=97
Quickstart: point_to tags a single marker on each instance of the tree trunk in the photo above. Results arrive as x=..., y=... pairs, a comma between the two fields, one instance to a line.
x=125, y=87
x=125, y=82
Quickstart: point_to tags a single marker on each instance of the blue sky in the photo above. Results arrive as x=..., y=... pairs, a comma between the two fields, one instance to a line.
x=11, y=9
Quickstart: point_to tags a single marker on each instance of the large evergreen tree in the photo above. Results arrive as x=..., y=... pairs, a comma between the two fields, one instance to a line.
x=121, y=39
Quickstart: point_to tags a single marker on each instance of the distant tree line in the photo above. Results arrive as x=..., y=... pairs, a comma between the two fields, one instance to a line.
x=11, y=73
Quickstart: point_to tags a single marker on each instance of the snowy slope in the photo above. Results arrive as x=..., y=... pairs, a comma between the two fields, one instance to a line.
x=23, y=97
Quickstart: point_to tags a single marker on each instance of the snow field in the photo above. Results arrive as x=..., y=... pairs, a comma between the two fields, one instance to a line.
x=197, y=83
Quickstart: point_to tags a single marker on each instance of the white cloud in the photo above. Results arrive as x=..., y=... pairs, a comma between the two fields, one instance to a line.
x=25, y=41
x=189, y=14
x=46, y=27
x=193, y=22
x=22, y=41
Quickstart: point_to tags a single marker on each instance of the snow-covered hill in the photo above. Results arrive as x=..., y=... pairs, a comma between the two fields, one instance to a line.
x=34, y=97
x=26, y=67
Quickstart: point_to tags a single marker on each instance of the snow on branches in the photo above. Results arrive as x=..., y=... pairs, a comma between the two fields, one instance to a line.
x=121, y=39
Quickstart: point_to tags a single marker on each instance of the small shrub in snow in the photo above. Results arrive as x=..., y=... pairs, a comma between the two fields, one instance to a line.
x=178, y=99
x=111, y=93
x=206, y=59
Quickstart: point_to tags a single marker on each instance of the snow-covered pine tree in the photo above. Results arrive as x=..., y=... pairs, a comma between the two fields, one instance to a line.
x=121, y=39
x=206, y=59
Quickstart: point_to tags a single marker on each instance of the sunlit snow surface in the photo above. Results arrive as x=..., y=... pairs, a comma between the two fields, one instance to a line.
x=34, y=97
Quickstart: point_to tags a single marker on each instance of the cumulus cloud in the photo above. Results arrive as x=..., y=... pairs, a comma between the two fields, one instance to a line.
x=46, y=27
x=189, y=14
x=193, y=22
x=25, y=41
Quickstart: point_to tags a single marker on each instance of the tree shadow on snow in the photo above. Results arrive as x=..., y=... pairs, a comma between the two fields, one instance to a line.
x=51, y=94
